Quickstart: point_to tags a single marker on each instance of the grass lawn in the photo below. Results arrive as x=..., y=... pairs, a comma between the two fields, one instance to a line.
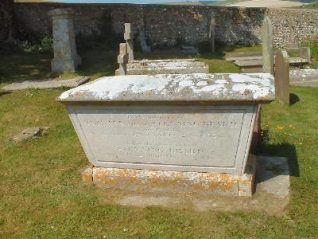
x=42, y=195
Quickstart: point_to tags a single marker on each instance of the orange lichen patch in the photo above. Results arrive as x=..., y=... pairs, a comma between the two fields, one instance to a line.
x=173, y=181
x=87, y=175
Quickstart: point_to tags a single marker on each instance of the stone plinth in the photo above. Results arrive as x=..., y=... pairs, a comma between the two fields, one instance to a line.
x=169, y=66
x=64, y=45
x=155, y=181
x=173, y=125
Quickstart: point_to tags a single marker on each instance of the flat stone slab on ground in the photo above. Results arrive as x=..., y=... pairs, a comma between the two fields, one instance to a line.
x=46, y=84
x=304, y=77
x=244, y=58
x=271, y=196
x=256, y=62
x=167, y=66
x=29, y=133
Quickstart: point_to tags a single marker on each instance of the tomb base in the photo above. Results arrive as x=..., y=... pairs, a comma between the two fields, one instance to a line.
x=158, y=181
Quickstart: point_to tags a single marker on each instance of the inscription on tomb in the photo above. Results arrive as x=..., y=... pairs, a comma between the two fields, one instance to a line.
x=200, y=136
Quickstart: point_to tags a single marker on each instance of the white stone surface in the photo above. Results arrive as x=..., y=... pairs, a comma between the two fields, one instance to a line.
x=188, y=87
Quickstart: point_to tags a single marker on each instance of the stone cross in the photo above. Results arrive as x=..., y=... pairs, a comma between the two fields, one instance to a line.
x=267, y=46
x=122, y=60
x=282, y=77
x=212, y=33
x=64, y=45
x=128, y=36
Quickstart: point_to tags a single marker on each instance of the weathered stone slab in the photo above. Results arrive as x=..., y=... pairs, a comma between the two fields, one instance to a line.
x=199, y=87
x=273, y=176
x=304, y=77
x=29, y=133
x=46, y=84
x=242, y=54
x=244, y=58
x=155, y=181
x=64, y=45
x=171, y=66
x=249, y=63
x=282, y=77
x=195, y=122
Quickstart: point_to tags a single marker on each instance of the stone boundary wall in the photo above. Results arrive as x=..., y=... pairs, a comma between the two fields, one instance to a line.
x=167, y=25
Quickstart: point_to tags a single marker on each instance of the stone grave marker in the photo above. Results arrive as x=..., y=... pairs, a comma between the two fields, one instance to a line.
x=267, y=46
x=305, y=53
x=122, y=60
x=282, y=76
x=212, y=33
x=143, y=43
x=170, y=133
x=64, y=45
x=128, y=36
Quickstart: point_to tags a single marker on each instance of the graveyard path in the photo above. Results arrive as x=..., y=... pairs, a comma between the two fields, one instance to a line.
x=267, y=3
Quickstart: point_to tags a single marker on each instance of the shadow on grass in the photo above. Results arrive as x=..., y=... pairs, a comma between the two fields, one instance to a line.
x=293, y=99
x=22, y=67
x=279, y=150
x=18, y=67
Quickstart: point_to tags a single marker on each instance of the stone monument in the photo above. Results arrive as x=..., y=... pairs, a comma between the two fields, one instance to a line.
x=128, y=36
x=282, y=76
x=64, y=45
x=122, y=60
x=267, y=46
x=170, y=133
x=212, y=33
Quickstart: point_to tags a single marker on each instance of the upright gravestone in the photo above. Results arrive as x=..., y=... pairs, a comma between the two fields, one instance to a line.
x=128, y=36
x=212, y=33
x=64, y=45
x=267, y=46
x=143, y=43
x=282, y=77
x=122, y=60
x=305, y=53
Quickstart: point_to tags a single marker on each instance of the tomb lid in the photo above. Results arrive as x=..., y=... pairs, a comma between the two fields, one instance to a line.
x=197, y=87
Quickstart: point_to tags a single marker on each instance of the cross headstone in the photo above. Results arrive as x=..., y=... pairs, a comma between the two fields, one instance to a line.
x=128, y=36
x=282, y=77
x=267, y=46
x=212, y=33
x=64, y=45
x=122, y=60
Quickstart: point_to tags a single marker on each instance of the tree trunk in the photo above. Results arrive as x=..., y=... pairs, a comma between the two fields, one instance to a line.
x=7, y=21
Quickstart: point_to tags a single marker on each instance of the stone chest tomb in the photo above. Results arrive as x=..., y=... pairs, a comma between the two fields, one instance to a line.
x=192, y=129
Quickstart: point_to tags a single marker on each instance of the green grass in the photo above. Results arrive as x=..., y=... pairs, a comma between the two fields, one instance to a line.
x=19, y=67
x=42, y=195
